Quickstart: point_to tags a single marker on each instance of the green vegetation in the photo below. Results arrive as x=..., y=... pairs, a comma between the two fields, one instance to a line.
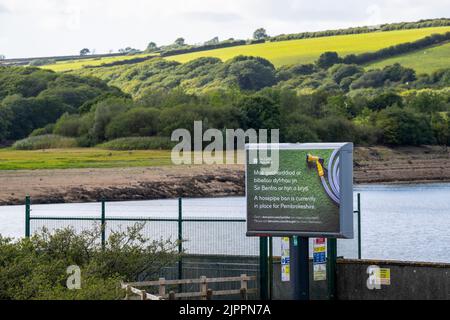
x=93, y=62
x=36, y=268
x=139, y=143
x=138, y=105
x=305, y=49
x=308, y=50
x=32, y=98
x=81, y=158
x=47, y=141
x=423, y=61
x=325, y=101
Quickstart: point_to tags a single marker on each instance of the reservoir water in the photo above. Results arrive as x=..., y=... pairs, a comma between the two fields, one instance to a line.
x=399, y=222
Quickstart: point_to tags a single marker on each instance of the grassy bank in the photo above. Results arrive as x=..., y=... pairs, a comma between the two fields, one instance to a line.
x=423, y=61
x=80, y=158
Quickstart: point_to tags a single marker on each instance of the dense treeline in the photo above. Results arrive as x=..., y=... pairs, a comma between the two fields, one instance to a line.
x=204, y=47
x=325, y=101
x=32, y=98
x=357, y=30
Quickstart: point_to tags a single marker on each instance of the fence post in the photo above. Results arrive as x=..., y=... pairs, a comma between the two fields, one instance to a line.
x=203, y=287
x=244, y=287
x=263, y=272
x=180, y=242
x=359, y=225
x=270, y=267
x=162, y=288
x=103, y=223
x=27, y=216
x=332, y=257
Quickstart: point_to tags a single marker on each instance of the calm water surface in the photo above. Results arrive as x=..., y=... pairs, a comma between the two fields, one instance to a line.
x=399, y=222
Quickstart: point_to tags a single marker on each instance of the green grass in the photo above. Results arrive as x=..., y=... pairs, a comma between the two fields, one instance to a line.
x=47, y=141
x=81, y=158
x=308, y=50
x=423, y=61
x=138, y=143
x=78, y=64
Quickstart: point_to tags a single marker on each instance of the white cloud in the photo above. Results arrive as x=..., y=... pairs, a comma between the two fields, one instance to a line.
x=48, y=27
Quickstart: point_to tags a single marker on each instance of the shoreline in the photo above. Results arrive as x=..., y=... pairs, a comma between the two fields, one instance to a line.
x=372, y=165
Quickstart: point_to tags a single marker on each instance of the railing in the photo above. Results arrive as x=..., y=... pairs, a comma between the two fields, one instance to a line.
x=205, y=236
x=204, y=293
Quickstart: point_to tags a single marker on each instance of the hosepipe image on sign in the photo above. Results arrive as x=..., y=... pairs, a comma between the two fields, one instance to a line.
x=300, y=189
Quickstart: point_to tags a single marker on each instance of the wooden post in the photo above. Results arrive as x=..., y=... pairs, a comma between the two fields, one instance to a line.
x=209, y=294
x=203, y=287
x=143, y=295
x=127, y=292
x=162, y=287
x=171, y=295
x=244, y=286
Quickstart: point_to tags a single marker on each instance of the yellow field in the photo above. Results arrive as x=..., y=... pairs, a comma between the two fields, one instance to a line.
x=423, y=61
x=308, y=50
x=77, y=64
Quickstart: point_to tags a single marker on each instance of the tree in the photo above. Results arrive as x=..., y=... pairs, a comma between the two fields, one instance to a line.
x=260, y=33
x=133, y=123
x=180, y=42
x=213, y=41
x=404, y=127
x=259, y=112
x=151, y=47
x=84, y=51
x=128, y=50
x=328, y=59
x=251, y=73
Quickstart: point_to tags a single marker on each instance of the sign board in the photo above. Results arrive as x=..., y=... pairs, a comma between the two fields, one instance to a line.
x=300, y=189
x=285, y=260
x=319, y=259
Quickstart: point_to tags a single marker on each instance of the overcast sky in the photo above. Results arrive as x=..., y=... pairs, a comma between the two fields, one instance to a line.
x=63, y=27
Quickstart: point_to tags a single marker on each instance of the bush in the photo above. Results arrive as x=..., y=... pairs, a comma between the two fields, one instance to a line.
x=404, y=127
x=48, y=141
x=48, y=129
x=139, y=143
x=328, y=59
x=35, y=268
x=135, y=122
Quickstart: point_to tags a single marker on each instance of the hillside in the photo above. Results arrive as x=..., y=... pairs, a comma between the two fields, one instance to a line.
x=281, y=52
x=423, y=61
x=308, y=50
x=95, y=62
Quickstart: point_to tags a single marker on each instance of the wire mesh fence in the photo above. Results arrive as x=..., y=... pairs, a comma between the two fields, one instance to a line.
x=201, y=235
x=212, y=246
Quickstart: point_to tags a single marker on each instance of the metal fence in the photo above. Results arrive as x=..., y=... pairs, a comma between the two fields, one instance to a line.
x=196, y=236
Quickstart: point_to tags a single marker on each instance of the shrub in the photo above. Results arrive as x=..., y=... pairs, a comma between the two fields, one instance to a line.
x=328, y=59
x=48, y=129
x=48, y=141
x=135, y=122
x=404, y=127
x=139, y=143
x=35, y=268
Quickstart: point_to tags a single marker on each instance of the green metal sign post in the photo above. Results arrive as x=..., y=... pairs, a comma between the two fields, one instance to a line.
x=263, y=269
x=27, y=216
x=299, y=259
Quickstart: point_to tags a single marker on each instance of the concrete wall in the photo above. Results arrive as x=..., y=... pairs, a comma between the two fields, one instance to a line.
x=409, y=280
